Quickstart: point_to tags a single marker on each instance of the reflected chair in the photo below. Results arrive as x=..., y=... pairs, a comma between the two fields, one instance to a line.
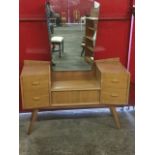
x=83, y=46
x=58, y=40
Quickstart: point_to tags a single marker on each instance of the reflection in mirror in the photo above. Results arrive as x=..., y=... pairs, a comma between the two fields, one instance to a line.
x=72, y=28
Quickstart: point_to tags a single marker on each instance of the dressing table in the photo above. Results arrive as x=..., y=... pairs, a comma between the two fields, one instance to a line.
x=106, y=85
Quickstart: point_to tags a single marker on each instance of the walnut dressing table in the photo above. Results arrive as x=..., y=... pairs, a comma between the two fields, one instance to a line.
x=107, y=84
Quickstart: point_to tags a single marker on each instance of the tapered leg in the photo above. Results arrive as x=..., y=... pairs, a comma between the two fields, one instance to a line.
x=33, y=119
x=115, y=116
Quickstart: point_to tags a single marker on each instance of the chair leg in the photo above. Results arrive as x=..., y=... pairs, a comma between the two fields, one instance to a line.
x=60, y=49
x=82, y=52
x=63, y=46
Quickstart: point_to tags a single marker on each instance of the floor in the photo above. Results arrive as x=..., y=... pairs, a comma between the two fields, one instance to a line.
x=71, y=58
x=78, y=132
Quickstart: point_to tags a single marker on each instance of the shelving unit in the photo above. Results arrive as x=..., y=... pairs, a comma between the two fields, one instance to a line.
x=90, y=38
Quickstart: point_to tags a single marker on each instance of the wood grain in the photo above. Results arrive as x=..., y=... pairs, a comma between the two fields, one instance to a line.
x=75, y=97
x=35, y=86
x=33, y=119
x=114, y=96
x=115, y=116
x=75, y=85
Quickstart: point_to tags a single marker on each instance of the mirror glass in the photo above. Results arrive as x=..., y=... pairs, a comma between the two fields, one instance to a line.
x=66, y=21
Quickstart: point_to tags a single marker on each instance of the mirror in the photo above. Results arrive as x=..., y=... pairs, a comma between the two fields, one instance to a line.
x=72, y=33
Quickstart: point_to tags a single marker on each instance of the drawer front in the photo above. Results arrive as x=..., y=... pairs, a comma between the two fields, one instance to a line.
x=115, y=81
x=114, y=96
x=75, y=97
x=35, y=83
x=36, y=100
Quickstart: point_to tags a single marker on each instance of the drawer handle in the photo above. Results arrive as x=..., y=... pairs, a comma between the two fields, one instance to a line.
x=36, y=98
x=115, y=81
x=35, y=83
x=114, y=95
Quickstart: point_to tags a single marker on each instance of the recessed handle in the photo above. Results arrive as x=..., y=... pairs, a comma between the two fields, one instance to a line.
x=36, y=98
x=35, y=83
x=115, y=80
x=114, y=95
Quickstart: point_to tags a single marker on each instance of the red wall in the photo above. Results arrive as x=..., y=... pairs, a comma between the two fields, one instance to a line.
x=33, y=34
x=112, y=39
x=116, y=35
x=114, y=30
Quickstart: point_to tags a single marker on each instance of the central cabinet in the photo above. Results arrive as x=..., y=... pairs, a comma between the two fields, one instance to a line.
x=75, y=88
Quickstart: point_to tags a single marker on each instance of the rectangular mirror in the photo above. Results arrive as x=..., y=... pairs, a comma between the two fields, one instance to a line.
x=72, y=27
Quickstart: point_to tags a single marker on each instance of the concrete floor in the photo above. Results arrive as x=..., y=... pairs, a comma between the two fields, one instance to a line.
x=78, y=132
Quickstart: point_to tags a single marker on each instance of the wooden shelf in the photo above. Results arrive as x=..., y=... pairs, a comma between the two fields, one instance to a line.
x=90, y=38
x=90, y=48
x=91, y=28
x=75, y=85
x=92, y=18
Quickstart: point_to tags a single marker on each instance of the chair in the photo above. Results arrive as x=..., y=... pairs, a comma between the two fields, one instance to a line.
x=58, y=40
x=83, y=46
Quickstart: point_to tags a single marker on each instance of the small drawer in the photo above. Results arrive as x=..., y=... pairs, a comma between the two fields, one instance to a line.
x=112, y=96
x=35, y=83
x=36, y=100
x=115, y=81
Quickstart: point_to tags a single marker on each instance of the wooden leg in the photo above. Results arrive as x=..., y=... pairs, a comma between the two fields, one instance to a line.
x=115, y=116
x=33, y=119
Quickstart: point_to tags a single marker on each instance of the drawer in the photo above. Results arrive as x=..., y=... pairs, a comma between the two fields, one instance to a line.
x=115, y=81
x=36, y=100
x=114, y=96
x=35, y=83
x=75, y=97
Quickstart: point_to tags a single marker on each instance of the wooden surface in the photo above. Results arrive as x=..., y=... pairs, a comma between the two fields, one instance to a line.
x=35, y=70
x=115, y=81
x=73, y=75
x=111, y=67
x=114, y=96
x=77, y=97
x=75, y=85
x=75, y=88
x=35, y=86
x=115, y=116
x=112, y=80
x=109, y=60
x=33, y=119
x=106, y=84
x=34, y=62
